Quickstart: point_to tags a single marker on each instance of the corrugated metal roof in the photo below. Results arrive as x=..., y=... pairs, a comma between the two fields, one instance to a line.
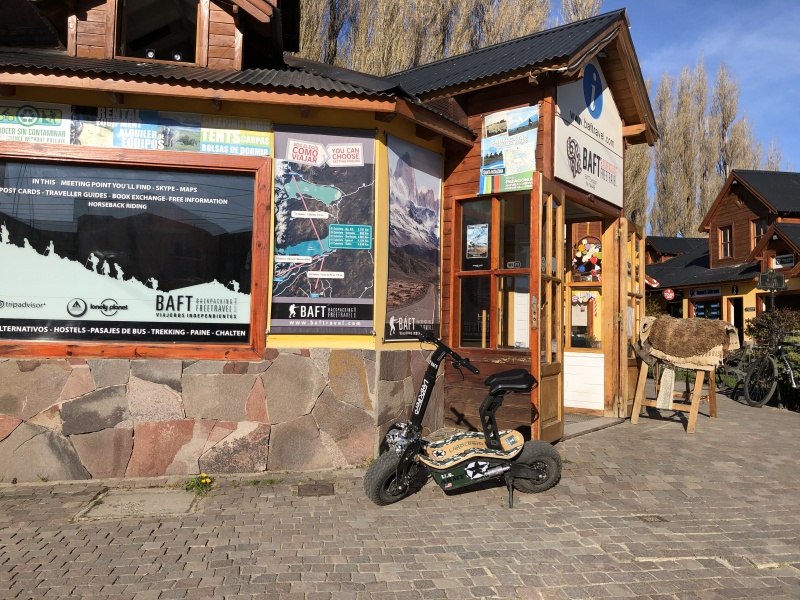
x=790, y=231
x=692, y=269
x=781, y=189
x=528, y=51
x=674, y=245
x=55, y=61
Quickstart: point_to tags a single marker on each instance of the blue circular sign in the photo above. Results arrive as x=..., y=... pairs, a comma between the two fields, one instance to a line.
x=593, y=90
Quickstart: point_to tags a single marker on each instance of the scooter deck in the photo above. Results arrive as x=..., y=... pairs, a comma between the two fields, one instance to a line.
x=470, y=444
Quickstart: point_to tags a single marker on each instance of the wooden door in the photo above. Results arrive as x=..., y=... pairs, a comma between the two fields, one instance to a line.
x=548, y=400
x=631, y=278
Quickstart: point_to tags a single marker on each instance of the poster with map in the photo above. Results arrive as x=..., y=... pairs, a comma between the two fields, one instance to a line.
x=324, y=268
x=415, y=195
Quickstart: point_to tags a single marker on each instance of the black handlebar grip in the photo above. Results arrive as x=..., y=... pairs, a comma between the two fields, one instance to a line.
x=470, y=367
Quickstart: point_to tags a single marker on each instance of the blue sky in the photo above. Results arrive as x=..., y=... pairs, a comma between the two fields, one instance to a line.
x=759, y=41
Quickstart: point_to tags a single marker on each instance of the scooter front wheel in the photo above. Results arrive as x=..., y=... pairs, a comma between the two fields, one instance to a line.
x=545, y=460
x=380, y=482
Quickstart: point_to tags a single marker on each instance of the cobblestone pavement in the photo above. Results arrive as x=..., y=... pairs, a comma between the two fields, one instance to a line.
x=642, y=511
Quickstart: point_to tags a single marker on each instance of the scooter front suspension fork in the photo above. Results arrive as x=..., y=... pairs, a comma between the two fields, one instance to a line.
x=402, y=477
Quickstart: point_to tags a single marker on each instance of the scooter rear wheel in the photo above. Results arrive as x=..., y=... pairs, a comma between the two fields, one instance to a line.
x=380, y=482
x=545, y=460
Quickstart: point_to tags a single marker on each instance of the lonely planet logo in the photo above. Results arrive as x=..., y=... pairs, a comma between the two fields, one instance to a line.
x=108, y=307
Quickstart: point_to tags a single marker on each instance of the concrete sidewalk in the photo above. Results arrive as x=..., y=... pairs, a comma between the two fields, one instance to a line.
x=642, y=511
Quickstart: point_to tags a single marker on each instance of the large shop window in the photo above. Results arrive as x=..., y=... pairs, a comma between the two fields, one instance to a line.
x=495, y=290
x=129, y=255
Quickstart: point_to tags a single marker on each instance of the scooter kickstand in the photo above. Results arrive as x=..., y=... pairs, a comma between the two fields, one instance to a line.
x=510, y=485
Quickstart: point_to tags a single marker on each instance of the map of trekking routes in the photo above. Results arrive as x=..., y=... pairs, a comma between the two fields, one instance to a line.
x=324, y=213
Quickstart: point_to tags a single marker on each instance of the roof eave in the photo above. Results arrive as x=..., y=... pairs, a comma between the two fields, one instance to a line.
x=285, y=96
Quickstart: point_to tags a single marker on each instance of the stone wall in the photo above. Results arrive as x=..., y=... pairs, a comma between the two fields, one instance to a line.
x=297, y=410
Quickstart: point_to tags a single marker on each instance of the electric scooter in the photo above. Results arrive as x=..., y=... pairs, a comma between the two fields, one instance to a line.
x=468, y=457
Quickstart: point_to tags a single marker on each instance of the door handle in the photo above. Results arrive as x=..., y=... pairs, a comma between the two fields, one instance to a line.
x=534, y=312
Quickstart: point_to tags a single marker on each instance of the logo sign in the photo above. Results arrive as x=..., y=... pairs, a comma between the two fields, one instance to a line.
x=771, y=280
x=77, y=307
x=588, y=136
x=593, y=90
x=669, y=294
x=705, y=293
x=783, y=260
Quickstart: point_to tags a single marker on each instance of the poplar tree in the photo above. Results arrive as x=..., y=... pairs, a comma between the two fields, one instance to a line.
x=380, y=37
x=576, y=10
x=700, y=142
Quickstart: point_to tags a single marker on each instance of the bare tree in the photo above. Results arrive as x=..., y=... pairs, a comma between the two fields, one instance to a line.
x=576, y=10
x=699, y=146
x=774, y=156
x=665, y=203
x=392, y=36
x=638, y=162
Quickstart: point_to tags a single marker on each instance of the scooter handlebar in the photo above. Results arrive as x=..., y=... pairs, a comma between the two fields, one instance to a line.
x=426, y=335
x=469, y=366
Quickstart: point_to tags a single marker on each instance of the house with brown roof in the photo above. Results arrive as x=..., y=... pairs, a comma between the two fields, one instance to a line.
x=753, y=226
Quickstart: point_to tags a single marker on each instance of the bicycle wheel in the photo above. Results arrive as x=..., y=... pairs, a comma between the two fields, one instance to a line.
x=760, y=381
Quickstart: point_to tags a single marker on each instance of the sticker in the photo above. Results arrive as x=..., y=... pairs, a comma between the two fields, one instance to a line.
x=439, y=453
x=476, y=470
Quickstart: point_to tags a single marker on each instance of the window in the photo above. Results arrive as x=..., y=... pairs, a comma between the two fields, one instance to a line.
x=159, y=261
x=725, y=242
x=495, y=290
x=759, y=229
x=151, y=29
x=584, y=293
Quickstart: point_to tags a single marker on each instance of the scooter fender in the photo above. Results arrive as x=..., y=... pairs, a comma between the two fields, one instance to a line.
x=467, y=472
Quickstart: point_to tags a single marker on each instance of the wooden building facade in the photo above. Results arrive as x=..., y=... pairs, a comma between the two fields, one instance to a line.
x=222, y=253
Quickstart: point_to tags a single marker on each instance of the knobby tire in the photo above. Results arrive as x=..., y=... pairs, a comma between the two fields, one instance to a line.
x=542, y=457
x=380, y=480
x=761, y=381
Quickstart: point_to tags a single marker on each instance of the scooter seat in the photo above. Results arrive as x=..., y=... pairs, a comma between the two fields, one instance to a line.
x=515, y=380
x=468, y=444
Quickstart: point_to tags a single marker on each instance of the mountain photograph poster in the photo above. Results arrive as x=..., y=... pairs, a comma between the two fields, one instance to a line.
x=415, y=194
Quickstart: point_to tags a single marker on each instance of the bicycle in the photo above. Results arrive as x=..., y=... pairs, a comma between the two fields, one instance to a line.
x=761, y=379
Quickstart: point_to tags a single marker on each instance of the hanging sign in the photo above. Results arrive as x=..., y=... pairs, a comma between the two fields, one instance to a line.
x=771, y=280
x=669, y=294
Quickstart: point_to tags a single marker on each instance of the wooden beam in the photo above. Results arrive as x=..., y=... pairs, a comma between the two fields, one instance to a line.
x=630, y=130
x=72, y=35
x=258, y=9
x=111, y=28
x=385, y=117
x=116, y=97
x=216, y=104
x=424, y=133
x=203, y=20
x=304, y=112
x=8, y=90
